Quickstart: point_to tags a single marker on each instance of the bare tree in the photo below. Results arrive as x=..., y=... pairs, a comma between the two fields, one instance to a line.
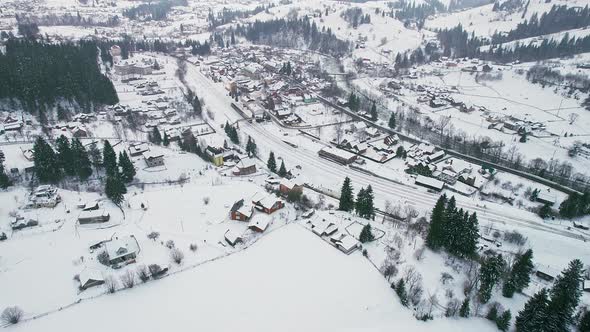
x=12, y=315
x=388, y=269
x=110, y=284
x=143, y=273
x=441, y=123
x=572, y=117
x=128, y=279
x=452, y=308
x=176, y=255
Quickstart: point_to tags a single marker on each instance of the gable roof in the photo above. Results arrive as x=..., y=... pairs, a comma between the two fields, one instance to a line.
x=122, y=246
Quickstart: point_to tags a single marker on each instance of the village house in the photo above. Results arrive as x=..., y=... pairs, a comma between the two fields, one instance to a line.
x=259, y=224
x=287, y=186
x=267, y=203
x=346, y=243
x=232, y=237
x=322, y=227
x=122, y=250
x=153, y=159
x=337, y=155
x=240, y=211
x=137, y=149
x=93, y=217
x=245, y=166
x=90, y=278
x=429, y=183
x=215, y=154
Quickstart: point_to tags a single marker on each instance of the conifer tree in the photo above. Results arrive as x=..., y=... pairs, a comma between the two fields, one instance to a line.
x=82, y=164
x=373, y=112
x=127, y=168
x=534, y=314
x=282, y=170
x=197, y=108
x=359, y=205
x=251, y=147
x=47, y=166
x=366, y=234
x=400, y=290
x=392, y=123
x=346, y=202
x=490, y=273
x=584, y=325
x=271, y=163
x=115, y=188
x=109, y=158
x=165, y=140
x=155, y=136
x=95, y=156
x=565, y=297
x=493, y=313
x=520, y=274
x=503, y=321
x=465, y=310
x=434, y=239
x=4, y=179
x=64, y=155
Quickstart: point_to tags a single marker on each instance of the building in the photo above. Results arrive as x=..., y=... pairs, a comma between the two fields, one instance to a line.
x=429, y=183
x=245, y=166
x=93, y=217
x=122, y=250
x=337, y=155
x=215, y=155
x=259, y=224
x=153, y=159
x=435, y=156
x=232, y=237
x=240, y=211
x=137, y=149
x=346, y=243
x=90, y=278
x=267, y=203
x=286, y=186
x=321, y=227
x=546, y=198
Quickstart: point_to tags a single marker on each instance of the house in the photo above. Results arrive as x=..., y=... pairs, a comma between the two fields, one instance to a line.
x=267, y=203
x=93, y=216
x=259, y=224
x=90, y=206
x=546, y=198
x=391, y=140
x=286, y=186
x=124, y=249
x=153, y=159
x=90, y=278
x=232, y=237
x=245, y=166
x=321, y=227
x=337, y=155
x=346, y=243
x=79, y=131
x=429, y=183
x=215, y=155
x=137, y=149
x=547, y=273
x=241, y=211
x=435, y=156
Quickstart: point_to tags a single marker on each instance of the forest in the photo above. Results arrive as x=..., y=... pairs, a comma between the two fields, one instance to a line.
x=295, y=33
x=153, y=11
x=39, y=75
x=227, y=15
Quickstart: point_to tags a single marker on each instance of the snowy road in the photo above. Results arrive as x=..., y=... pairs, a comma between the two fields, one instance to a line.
x=330, y=175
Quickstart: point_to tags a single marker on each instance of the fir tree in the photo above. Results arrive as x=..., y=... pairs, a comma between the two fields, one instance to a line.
x=400, y=290
x=4, y=179
x=520, y=274
x=165, y=140
x=392, y=123
x=251, y=147
x=64, y=155
x=109, y=158
x=155, y=136
x=465, y=310
x=366, y=234
x=534, y=314
x=373, y=112
x=503, y=321
x=271, y=163
x=127, y=169
x=115, y=188
x=565, y=297
x=493, y=313
x=346, y=202
x=584, y=325
x=434, y=239
x=95, y=155
x=82, y=164
x=282, y=170
x=47, y=166
x=197, y=108
x=360, y=201
x=545, y=211
x=490, y=273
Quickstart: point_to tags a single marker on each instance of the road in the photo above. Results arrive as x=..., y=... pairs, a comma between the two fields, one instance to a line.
x=216, y=98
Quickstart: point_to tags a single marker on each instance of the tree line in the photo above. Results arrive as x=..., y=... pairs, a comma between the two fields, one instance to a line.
x=294, y=33
x=153, y=11
x=38, y=75
x=354, y=16
x=53, y=19
x=227, y=15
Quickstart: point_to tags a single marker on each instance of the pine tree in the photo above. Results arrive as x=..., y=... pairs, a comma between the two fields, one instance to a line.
x=47, y=166
x=565, y=297
x=95, y=155
x=271, y=163
x=392, y=123
x=165, y=140
x=346, y=202
x=493, y=313
x=366, y=234
x=464, y=311
x=115, y=188
x=359, y=205
x=534, y=314
x=400, y=290
x=374, y=112
x=503, y=321
x=109, y=158
x=545, y=211
x=4, y=179
x=434, y=239
x=82, y=164
x=469, y=236
x=520, y=275
x=251, y=147
x=369, y=207
x=490, y=273
x=282, y=170
x=584, y=325
x=155, y=136
x=64, y=155
x=127, y=168
x=197, y=108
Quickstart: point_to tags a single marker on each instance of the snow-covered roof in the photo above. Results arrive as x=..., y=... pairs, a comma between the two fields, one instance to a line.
x=122, y=246
x=260, y=223
x=245, y=163
x=232, y=236
x=430, y=182
x=93, y=214
x=152, y=155
x=90, y=275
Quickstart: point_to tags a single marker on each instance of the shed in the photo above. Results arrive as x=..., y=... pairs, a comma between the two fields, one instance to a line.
x=259, y=224
x=429, y=183
x=90, y=278
x=232, y=237
x=93, y=216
